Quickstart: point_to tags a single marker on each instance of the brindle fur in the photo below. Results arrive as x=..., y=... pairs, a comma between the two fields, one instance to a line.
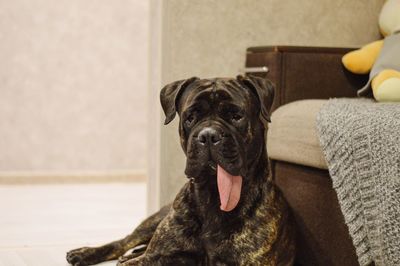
x=194, y=231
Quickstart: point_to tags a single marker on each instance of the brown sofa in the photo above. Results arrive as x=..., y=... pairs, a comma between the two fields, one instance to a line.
x=308, y=73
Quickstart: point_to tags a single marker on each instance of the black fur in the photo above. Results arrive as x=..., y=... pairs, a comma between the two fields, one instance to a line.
x=222, y=122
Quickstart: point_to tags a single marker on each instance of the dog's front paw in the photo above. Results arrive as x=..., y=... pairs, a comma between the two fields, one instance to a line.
x=80, y=256
x=124, y=260
x=128, y=260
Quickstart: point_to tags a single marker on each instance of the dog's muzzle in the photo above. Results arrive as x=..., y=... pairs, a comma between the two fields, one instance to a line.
x=209, y=136
x=214, y=145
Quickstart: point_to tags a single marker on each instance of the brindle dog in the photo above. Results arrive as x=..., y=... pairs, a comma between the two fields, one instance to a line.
x=229, y=212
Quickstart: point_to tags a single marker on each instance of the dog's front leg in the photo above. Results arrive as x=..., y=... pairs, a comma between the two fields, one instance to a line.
x=178, y=259
x=112, y=251
x=176, y=240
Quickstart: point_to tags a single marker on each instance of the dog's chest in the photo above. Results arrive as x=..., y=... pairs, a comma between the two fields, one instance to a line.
x=242, y=237
x=238, y=242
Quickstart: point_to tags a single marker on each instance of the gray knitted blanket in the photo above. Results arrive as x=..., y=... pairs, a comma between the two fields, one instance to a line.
x=361, y=142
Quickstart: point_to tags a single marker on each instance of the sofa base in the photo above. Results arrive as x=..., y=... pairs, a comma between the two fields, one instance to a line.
x=323, y=237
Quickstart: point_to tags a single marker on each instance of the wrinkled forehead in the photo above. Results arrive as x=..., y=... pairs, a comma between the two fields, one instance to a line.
x=215, y=91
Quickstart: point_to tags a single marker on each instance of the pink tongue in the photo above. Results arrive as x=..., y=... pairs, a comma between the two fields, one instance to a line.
x=229, y=188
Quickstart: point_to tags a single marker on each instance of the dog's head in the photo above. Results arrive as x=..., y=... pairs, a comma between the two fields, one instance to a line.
x=221, y=128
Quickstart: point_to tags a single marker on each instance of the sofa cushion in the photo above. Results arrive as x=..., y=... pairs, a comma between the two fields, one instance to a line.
x=292, y=134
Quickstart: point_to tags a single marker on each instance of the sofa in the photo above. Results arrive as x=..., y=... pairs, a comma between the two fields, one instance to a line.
x=304, y=78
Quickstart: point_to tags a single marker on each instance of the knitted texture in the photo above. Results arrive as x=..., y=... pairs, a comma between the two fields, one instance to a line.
x=361, y=143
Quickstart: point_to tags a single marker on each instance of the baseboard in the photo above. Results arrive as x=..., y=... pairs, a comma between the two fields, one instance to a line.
x=16, y=178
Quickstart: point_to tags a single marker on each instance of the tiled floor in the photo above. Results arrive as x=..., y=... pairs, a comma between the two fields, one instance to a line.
x=39, y=223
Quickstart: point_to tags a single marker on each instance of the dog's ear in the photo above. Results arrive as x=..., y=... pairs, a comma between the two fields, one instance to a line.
x=169, y=97
x=264, y=90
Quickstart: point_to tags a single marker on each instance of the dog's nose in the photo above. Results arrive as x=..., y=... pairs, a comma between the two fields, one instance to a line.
x=209, y=135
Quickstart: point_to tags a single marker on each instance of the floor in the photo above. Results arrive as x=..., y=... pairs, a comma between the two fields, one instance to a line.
x=40, y=223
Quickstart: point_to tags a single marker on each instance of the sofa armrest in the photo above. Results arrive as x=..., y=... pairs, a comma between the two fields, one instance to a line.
x=304, y=72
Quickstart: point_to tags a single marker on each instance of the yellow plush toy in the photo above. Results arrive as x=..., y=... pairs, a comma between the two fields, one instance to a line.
x=380, y=58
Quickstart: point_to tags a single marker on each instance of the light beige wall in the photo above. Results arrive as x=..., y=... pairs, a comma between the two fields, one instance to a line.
x=208, y=38
x=73, y=85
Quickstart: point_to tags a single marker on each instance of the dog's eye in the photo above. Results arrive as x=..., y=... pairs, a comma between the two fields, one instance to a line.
x=237, y=117
x=189, y=120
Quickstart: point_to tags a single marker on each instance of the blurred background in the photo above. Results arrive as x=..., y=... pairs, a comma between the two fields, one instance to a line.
x=73, y=86
x=83, y=153
x=73, y=125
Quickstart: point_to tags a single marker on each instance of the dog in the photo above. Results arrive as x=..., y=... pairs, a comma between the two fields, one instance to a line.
x=229, y=212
